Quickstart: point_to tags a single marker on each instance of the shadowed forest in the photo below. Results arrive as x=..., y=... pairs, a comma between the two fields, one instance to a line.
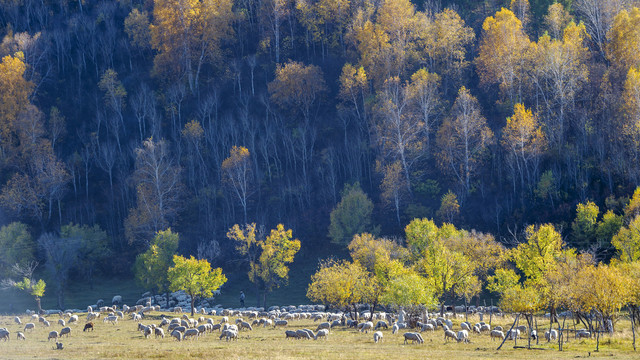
x=120, y=119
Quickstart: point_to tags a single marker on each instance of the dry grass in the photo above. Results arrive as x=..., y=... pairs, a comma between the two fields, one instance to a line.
x=122, y=341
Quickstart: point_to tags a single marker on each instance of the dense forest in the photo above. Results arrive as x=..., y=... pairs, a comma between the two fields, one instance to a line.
x=119, y=119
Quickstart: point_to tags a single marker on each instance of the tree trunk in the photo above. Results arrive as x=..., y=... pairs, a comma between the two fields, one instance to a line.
x=633, y=328
x=40, y=309
x=512, y=325
x=193, y=301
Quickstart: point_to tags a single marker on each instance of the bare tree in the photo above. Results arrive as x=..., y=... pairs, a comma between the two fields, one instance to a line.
x=61, y=255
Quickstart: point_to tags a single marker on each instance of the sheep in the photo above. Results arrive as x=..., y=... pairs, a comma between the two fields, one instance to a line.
x=280, y=323
x=365, y=327
x=92, y=315
x=34, y=317
x=182, y=329
x=29, y=326
x=487, y=327
x=465, y=326
x=88, y=326
x=17, y=320
x=496, y=334
x=448, y=334
x=4, y=334
x=337, y=323
x=120, y=314
x=267, y=322
x=20, y=336
x=191, y=333
x=413, y=337
x=499, y=328
x=41, y=319
x=46, y=323
x=158, y=332
x=523, y=329
x=534, y=334
x=224, y=320
x=61, y=322
x=229, y=335
x=463, y=335
x=317, y=317
x=245, y=325
x=583, y=334
x=216, y=327
x=202, y=328
x=176, y=334
x=290, y=334
x=73, y=318
x=476, y=329
x=65, y=331
x=116, y=300
x=377, y=336
x=551, y=335
x=303, y=334
x=513, y=334
x=53, y=335
x=177, y=310
x=112, y=319
x=322, y=333
x=136, y=317
x=324, y=325
x=381, y=324
x=426, y=327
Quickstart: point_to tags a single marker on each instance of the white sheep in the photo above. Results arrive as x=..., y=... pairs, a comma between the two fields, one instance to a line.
x=513, y=334
x=224, y=320
x=17, y=320
x=112, y=319
x=324, y=333
x=448, y=334
x=280, y=323
x=463, y=335
x=551, y=335
x=365, y=326
x=4, y=334
x=29, y=326
x=290, y=334
x=381, y=324
x=523, y=329
x=534, y=334
x=177, y=310
x=465, y=326
x=377, y=336
x=476, y=329
x=176, y=334
x=65, y=331
x=413, y=337
x=487, y=327
x=229, y=335
x=20, y=336
x=245, y=325
x=429, y=327
x=303, y=334
x=499, y=328
x=73, y=318
x=61, y=322
x=191, y=333
x=46, y=323
x=158, y=332
x=583, y=334
x=496, y=334
x=267, y=322
x=324, y=325
x=53, y=335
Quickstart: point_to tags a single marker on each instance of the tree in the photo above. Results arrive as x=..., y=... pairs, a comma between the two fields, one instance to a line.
x=464, y=139
x=424, y=95
x=539, y=253
x=627, y=241
x=136, y=25
x=61, y=255
x=501, y=58
x=195, y=277
x=629, y=128
x=557, y=19
x=584, y=225
x=351, y=216
x=28, y=283
x=299, y=88
x=408, y=290
x=394, y=186
x=248, y=241
x=624, y=35
x=449, y=207
x=14, y=97
x=17, y=247
x=237, y=175
x=151, y=266
x=94, y=247
x=525, y=142
x=158, y=188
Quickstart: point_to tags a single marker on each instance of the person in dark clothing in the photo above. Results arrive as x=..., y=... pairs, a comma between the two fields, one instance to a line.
x=241, y=298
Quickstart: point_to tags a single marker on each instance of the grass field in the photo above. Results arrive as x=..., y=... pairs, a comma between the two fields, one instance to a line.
x=123, y=341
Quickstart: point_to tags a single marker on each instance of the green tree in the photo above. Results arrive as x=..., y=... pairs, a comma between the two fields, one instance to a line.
x=151, y=266
x=28, y=283
x=410, y=291
x=93, y=247
x=351, y=216
x=585, y=224
x=195, y=277
x=17, y=247
x=449, y=207
x=627, y=241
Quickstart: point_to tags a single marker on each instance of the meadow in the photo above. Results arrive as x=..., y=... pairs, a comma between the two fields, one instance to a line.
x=123, y=341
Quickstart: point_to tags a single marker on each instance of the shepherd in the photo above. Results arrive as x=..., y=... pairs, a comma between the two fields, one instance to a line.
x=241, y=298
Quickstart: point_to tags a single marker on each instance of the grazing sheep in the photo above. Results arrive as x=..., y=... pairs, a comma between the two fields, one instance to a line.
x=177, y=310
x=551, y=335
x=17, y=320
x=377, y=336
x=303, y=334
x=534, y=334
x=112, y=319
x=513, y=334
x=267, y=322
x=365, y=327
x=176, y=334
x=136, y=317
x=496, y=334
x=463, y=335
x=523, y=329
x=583, y=334
x=426, y=327
x=46, y=323
x=229, y=335
x=4, y=334
x=324, y=325
x=216, y=327
x=53, y=335
x=448, y=334
x=245, y=325
x=486, y=327
x=476, y=329
x=61, y=322
x=290, y=334
x=224, y=320
x=73, y=318
x=413, y=337
x=158, y=332
x=29, y=326
x=65, y=331
x=88, y=326
x=381, y=324
x=322, y=333
x=280, y=323
x=20, y=336
x=499, y=328
x=191, y=333
x=465, y=326
x=34, y=317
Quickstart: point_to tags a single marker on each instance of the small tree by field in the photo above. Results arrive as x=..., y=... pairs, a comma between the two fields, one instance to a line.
x=28, y=283
x=351, y=216
x=151, y=266
x=195, y=277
